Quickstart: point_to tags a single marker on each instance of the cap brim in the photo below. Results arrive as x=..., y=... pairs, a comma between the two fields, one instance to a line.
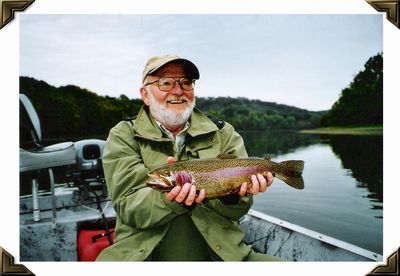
x=190, y=67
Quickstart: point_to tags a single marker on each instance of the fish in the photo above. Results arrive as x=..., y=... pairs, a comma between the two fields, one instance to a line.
x=224, y=174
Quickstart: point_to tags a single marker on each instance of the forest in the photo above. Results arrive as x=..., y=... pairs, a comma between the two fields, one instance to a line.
x=71, y=112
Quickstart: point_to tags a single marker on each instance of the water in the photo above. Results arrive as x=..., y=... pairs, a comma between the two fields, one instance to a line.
x=343, y=194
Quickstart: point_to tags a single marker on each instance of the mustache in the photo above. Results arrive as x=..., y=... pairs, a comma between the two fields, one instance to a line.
x=175, y=99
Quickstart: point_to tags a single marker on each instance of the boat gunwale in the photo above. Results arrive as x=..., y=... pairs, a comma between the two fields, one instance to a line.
x=373, y=256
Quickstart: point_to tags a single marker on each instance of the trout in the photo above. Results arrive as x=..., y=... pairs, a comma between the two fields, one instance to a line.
x=223, y=175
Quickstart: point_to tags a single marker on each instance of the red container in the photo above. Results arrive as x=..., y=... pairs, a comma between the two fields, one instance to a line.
x=91, y=243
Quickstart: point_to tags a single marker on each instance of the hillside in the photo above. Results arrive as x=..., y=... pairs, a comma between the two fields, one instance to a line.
x=70, y=112
x=246, y=114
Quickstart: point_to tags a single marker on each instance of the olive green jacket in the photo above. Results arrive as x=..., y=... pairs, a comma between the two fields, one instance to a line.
x=144, y=214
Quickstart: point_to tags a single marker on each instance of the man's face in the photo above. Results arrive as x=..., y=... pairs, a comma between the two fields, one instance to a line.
x=172, y=108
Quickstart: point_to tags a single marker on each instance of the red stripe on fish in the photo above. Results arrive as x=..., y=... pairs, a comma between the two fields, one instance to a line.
x=233, y=172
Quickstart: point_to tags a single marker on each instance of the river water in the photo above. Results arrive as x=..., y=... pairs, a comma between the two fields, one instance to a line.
x=343, y=178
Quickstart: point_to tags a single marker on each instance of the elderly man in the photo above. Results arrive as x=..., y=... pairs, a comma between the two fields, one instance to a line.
x=179, y=225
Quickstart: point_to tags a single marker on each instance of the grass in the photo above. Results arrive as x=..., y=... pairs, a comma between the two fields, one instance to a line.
x=347, y=130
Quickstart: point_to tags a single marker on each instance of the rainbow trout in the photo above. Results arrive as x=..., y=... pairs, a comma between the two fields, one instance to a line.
x=223, y=175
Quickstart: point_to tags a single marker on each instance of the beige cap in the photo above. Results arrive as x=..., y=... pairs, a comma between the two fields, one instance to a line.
x=157, y=62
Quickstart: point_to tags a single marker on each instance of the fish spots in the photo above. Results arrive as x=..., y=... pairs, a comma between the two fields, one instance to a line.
x=231, y=172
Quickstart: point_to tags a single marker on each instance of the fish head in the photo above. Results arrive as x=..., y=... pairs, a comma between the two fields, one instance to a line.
x=161, y=180
x=165, y=179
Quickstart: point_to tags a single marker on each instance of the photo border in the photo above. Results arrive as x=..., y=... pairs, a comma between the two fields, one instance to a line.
x=391, y=8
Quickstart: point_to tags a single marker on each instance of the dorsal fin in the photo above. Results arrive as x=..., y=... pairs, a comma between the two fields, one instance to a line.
x=226, y=156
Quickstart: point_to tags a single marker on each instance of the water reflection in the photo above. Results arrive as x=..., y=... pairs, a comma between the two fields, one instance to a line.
x=273, y=143
x=343, y=194
x=361, y=155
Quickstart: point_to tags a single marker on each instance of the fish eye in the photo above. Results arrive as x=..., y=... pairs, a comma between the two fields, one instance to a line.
x=166, y=172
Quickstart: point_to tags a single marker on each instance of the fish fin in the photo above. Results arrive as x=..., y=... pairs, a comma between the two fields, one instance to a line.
x=267, y=158
x=294, y=167
x=226, y=156
x=295, y=182
x=291, y=173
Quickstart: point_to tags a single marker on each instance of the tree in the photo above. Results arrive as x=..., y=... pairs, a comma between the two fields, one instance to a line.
x=70, y=112
x=361, y=103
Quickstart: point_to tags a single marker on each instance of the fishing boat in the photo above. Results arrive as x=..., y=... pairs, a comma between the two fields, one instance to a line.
x=273, y=236
x=73, y=231
x=73, y=219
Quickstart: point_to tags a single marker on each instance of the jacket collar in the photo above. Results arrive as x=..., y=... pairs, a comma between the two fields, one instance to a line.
x=146, y=127
x=200, y=124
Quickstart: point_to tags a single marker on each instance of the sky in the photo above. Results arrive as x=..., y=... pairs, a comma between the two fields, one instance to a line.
x=303, y=60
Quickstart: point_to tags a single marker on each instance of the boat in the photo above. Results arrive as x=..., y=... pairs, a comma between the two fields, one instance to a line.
x=57, y=238
x=73, y=219
x=266, y=234
x=291, y=242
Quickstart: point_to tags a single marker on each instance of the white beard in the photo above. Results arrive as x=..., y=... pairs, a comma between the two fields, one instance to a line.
x=168, y=118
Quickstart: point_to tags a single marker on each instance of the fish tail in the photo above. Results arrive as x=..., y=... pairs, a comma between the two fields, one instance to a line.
x=293, y=181
x=291, y=173
x=294, y=167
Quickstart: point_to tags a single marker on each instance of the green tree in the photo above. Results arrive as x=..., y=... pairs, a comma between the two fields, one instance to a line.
x=70, y=112
x=361, y=103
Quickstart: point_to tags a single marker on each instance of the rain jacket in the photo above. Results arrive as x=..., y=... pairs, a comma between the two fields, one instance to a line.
x=144, y=214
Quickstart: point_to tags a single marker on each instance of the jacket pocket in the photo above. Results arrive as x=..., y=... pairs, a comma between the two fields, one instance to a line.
x=207, y=147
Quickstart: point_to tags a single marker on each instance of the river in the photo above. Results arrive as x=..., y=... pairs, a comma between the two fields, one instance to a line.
x=343, y=178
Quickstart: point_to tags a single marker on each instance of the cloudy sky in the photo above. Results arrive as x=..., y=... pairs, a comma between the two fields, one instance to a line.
x=299, y=60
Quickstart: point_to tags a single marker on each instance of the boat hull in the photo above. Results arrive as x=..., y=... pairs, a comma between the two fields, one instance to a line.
x=56, y=239
x=272, y=236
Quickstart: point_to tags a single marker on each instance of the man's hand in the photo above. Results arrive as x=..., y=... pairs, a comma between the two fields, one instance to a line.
x=259, y=184
x=185, y=194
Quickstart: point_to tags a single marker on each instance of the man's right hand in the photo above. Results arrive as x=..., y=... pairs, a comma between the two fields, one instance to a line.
x=185, y=194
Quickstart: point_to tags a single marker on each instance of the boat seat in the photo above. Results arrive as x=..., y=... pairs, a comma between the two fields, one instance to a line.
x=33, y=156
x=61, y=154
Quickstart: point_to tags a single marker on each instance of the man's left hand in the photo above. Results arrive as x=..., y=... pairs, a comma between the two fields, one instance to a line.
x=259, y=184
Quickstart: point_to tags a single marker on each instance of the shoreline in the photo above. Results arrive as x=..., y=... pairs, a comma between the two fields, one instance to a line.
x=360, y=130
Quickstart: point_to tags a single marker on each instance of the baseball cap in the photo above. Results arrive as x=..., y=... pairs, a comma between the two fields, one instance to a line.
x=157, y=62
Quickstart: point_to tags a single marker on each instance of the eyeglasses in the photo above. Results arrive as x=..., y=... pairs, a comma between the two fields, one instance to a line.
x=166, y=84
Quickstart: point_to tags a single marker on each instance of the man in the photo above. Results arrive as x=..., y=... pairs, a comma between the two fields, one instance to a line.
x=178, y=225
